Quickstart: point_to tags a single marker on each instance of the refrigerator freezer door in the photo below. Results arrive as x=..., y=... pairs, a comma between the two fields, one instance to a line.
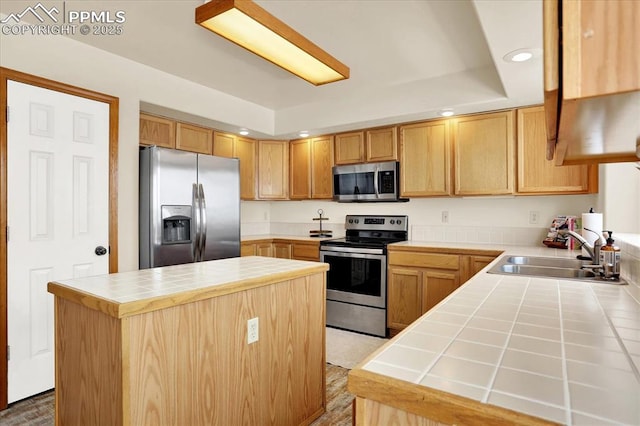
x=166, y=179
x=220, y=180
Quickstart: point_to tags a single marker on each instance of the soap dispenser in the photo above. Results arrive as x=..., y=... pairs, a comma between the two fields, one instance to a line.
x=610, y=258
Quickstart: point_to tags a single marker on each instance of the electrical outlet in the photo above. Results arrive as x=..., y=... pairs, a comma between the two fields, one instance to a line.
x=534, y=217
x=445, y=216
x=252, y=330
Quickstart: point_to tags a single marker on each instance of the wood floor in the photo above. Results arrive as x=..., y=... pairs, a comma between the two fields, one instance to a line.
x=39, y=410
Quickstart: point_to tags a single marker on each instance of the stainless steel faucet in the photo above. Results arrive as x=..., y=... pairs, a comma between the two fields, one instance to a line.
x=593, y=250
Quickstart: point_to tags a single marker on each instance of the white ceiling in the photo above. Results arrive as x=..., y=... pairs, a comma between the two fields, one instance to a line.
x=408, y=58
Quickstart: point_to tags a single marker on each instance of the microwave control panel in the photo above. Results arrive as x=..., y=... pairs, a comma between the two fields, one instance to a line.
x=387, y=182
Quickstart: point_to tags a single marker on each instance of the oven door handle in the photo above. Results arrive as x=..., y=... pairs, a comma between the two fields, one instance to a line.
x=352, y=254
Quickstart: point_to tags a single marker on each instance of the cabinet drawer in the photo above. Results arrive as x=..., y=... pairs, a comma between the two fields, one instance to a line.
x=306, y=251
x=425, y=260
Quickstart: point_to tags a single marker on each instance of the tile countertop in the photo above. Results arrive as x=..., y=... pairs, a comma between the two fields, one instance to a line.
x=127, y=293
x=560, y=350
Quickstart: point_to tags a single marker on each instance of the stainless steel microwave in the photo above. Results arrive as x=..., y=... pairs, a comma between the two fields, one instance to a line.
x=367, y=182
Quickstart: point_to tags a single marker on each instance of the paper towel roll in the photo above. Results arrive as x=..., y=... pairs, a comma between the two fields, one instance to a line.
x=592, y=221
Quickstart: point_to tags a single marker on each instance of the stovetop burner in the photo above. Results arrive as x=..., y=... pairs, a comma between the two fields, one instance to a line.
x=371, y=232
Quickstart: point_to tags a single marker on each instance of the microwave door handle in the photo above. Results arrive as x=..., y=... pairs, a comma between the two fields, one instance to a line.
x=375, y=181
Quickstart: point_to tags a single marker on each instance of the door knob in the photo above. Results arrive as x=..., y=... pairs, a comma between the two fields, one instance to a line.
x=101, y=251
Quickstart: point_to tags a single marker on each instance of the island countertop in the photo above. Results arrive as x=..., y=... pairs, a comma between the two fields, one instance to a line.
x=129, y=293
x=512, y=349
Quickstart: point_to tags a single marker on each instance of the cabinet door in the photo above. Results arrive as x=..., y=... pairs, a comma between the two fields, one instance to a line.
x=248, y=249
x=306, y=251
x=300, y=170
x=264, y=249
x=382, y=144
x=350, y=148
x=223, y=144
x=472, y=264
x=484, y=154
x=536, y=174
x=273, y=165
x=321, y=167
x=436, y=285
x=425, y=159
x=193, y=138
x=404, y=294
x=282, y=250
x=245, y=151
x=157, y=131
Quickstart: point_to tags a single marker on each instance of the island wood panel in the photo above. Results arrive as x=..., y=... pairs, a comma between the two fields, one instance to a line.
x=191, y=364
x=89, y=367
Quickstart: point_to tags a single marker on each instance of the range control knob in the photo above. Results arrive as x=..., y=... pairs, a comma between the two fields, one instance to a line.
x=393, y=221
x=350, y=220
x=399, y=221
x=357, y=220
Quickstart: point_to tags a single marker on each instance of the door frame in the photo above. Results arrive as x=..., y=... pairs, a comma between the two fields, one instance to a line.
x=9, y=74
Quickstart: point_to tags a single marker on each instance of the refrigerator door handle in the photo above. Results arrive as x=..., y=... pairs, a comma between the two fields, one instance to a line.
x=203, y=222
x=196, y=216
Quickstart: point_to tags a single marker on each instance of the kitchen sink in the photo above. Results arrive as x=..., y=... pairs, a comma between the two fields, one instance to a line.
x=548, y=267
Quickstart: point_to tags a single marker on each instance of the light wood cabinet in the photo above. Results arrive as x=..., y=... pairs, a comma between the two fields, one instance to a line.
x=536, y=174
x=157, y=131
x=484, y=154
x=425, y=158
x=591, y=80
x=194, y=138
x=310, y=168
x=273, y=170
x=244, y=149
x=300, y=170
x=349, y=148
x=474, y=263
x=382, y=144
x=282, y=250
x=306, y=250
x=416, y=282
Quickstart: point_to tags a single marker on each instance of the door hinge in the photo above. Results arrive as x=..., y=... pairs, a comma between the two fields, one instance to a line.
x=7, y=113
x=7, y=233
x=8, y=353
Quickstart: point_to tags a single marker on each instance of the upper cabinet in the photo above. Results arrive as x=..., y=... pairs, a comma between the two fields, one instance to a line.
x=244, y=149
x=536, y=174
x=193, y=138
x=273, y=170
x=310, y=168
x=592, y=80
x=374, y=145
x=157, y=131
x=350, y=148
x=425, y=157
x=484, y=154
x=382, y=144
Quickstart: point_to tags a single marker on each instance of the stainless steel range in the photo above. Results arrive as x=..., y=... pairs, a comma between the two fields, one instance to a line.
x=357, y=278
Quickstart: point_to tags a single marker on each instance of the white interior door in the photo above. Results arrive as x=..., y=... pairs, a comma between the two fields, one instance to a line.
x=57, y=213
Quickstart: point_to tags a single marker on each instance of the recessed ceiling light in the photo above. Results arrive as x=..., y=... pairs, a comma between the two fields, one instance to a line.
x=303, y=133
x=519, y=55
x=244, y=132
x=446, y=112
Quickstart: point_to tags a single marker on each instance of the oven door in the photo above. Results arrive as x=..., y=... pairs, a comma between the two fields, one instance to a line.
x=357, y=278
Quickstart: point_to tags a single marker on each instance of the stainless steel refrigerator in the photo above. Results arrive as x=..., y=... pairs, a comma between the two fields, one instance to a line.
x=189, y=207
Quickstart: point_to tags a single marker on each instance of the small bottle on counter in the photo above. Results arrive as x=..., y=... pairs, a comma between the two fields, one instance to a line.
x=610, y=257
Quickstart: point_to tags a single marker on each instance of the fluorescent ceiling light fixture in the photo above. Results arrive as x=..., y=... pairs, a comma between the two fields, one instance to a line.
x=250, y=26
x=519, y=55
x=244, y=132
x=303, y=133
x=446, y=112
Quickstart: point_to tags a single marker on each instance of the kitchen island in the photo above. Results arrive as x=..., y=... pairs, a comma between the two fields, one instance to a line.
x=511, y=350
x=169, y=345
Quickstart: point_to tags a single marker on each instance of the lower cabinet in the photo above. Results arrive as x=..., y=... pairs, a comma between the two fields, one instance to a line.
x=419, y=280
x=413, y=291
x=282, y=248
